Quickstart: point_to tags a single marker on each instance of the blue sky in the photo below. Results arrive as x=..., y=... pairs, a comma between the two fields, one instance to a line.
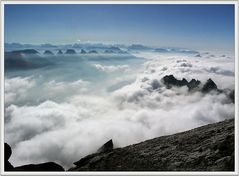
x=189, y=26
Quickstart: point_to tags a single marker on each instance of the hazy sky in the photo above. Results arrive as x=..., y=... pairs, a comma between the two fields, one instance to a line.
x=191, y=26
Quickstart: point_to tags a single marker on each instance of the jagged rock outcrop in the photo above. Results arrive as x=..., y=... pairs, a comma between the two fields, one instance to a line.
x=207, y=148
x=193, y=84
x=209, y=86
x=107, y=147
x=48, y=166
x=170, y=80
x=70, y=51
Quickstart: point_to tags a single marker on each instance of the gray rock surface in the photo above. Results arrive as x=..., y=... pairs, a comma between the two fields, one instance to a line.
x=207, y=148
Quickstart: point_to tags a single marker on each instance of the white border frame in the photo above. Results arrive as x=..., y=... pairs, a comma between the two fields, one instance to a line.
x=3, y=2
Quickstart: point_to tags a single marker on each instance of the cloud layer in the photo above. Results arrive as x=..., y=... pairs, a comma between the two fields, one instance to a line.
x=65, y=131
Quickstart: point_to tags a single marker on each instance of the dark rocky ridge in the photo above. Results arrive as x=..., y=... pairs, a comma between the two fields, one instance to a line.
x=170, y=80
x=207, y=148
x=194, y=85
x=20, y=59
x=48, y=166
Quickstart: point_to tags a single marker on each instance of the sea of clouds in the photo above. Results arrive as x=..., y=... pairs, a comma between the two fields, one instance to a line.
x=42, y=127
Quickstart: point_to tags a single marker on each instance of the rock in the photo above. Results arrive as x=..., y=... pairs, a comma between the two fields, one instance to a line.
x=70, y=51
x=206, y=148
x=48, y=166
x=198, y=55
x=107, y=147
x=48, y=52
x=170, y=80
x=84, y=160
x=232, y=96
x=83, y=51
x=7, y=153
x=209, y=86
x=17, y=60
x=193, y=84
x=59, y=52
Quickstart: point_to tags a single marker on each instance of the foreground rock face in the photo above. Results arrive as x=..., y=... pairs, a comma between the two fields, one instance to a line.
x=8, y=151
x=207, y=148
x=48, y=166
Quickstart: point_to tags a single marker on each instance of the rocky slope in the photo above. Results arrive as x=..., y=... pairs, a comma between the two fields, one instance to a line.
x=207, y=148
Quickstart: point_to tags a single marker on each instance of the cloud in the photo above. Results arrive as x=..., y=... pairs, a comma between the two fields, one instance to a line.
x=16, y=88
x=54, y=86
x=65, y=131
x=220, y=71
x=111, y=68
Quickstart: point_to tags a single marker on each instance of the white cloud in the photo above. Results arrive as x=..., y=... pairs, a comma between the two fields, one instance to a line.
x=16, y=88
x=111, y=68
x=54, y=86
x=143, y=109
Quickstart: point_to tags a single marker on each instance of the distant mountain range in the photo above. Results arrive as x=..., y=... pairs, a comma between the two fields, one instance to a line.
x=108, y=48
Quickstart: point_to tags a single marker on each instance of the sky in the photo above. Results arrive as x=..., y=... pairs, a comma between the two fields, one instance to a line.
x=188, y=26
